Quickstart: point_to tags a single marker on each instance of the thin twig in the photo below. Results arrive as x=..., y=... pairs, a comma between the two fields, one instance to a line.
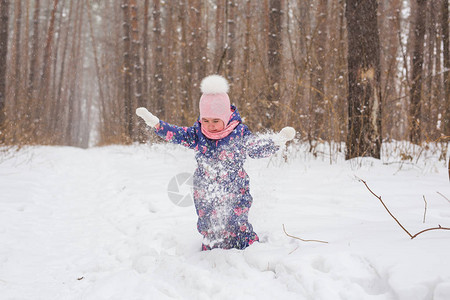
x=443, y=196
x=293, y=250
x=425, y=212
x=428, y=229
x=398, y=222
x=294, y=237
x=379, y=198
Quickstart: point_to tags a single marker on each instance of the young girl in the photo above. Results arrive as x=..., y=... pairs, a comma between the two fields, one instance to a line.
x=221, y=185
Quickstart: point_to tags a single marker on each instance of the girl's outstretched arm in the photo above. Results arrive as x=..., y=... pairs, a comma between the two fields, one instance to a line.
x=258, y=147
x=264, y=147
x=186, y=136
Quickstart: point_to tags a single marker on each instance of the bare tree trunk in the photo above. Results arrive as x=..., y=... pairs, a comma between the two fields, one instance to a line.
x=364, y=93
x=416, y=87
x=127, y=72
x=34, y=49
x=342, y=74
x=58, y=44
x=58, y=109
x=145, y=52
x=389, y=32
x=301, y=38
x=137, y=67
x=186, y=64
x=220, y=48
x=203, y=40
x=246, y=63
x=77, y=84
x=54, y=116
x=26, y=48
x=294, y=60
x=445, y=40
x=45, y=103
x=265, y=27
x=231, y=40
x=170, y=65
x=102, y=104
x=431, y=73
x=4, y=18
x=318, y=71
x=194, y=45
x=114, y=130
x=17, y=72
x=73, y=116
x=274, y=61
x=158, y=92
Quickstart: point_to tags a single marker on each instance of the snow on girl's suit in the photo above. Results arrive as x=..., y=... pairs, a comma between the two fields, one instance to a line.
x=221, y=185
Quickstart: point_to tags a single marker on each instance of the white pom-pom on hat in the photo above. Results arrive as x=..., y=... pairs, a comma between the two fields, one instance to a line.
x=214, y=84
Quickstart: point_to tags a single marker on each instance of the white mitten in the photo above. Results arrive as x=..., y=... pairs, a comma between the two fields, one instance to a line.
x=286, y=134
x=147, y=116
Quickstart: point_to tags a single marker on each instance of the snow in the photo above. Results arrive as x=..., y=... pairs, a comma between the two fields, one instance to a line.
x=98, y=224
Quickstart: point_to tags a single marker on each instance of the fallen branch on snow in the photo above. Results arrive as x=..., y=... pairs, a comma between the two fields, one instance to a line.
x=294, y=237
x=425, y=212
x=398, y=222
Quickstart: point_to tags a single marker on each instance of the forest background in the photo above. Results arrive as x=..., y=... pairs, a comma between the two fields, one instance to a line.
x=338, y=71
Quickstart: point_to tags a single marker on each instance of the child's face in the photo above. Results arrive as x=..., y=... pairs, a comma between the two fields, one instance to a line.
x=213, y=125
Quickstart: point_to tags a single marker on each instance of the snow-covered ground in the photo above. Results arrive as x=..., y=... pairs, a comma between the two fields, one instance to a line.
x=98, y=224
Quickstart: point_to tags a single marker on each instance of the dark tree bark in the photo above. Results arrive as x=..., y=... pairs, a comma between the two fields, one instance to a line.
x=170, y=64
x=46, y=63
x=390, y=22
x=318, y=72
x=136, y=49
x=145, y=52
x=203, y=60
x=127, y=71
x=231, y=20
x=42, y=109
x=137, y=66
x=445, y=40
x=186, y=63
x=4, y=18
x=18, y=29
x=158, y=92
x=364, y=93
x=246, y=62
x=274, y=60
x=34, y=49
x=197, y=50
x=74, y=102
x=58, y=109
x=416, y=83
x=220, y=49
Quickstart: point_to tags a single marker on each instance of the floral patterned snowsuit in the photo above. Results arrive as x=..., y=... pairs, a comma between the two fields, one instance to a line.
x=221, y=185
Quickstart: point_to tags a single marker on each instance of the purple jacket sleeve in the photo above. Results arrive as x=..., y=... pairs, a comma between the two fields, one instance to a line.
x=186, y=136
x=259, y=147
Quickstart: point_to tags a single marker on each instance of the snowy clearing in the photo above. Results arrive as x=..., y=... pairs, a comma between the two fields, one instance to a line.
x=98, y=224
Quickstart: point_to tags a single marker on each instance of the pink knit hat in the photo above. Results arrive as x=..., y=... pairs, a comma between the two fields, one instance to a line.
x=215, y=103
